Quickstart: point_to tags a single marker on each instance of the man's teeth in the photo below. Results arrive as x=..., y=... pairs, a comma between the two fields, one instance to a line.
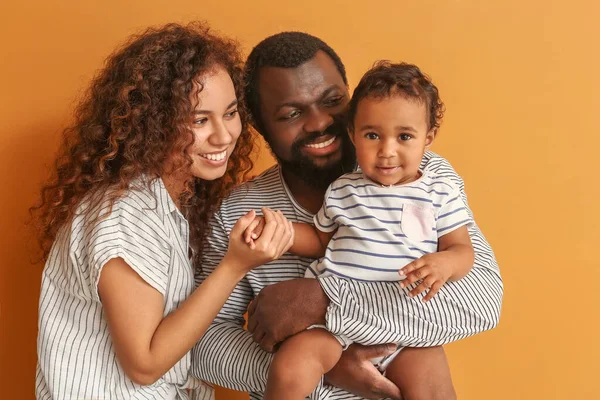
x=321, y=145
x=215, y=156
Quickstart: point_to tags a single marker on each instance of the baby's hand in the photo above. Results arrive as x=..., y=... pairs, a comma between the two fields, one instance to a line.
x=433, y=270
x=254, y=230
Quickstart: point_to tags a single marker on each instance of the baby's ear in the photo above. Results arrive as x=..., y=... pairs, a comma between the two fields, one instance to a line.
x=429, y=139
x=351, y=134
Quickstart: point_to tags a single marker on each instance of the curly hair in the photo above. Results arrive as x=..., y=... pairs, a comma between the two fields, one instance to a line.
x=282, y=50
x=386, y=79
x=136, y=114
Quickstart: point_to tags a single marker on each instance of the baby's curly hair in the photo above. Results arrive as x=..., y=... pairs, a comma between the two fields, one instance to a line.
x=136, y=114
x=387, y=79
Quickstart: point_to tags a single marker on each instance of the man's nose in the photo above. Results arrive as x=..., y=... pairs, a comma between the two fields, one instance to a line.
x=318, y=120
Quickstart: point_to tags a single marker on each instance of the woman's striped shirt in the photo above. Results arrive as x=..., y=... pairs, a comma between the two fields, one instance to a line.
x=76, y=357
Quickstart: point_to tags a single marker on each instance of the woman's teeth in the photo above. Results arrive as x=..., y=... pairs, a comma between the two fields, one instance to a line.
x=321, y=145
x=215, y=156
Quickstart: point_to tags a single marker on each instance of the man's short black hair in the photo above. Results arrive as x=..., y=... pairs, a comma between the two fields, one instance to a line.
x=282, y=50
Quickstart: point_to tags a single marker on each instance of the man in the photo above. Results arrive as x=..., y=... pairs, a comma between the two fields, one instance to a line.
x=296, y=93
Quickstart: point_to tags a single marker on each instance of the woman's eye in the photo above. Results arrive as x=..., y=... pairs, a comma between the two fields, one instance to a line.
x=405, y=137
x=371, y=136
x=231, y=113
x=200, y=121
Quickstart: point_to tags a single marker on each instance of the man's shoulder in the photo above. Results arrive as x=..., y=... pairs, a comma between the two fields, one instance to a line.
x=433, y=162
x=437, y=167
x=265, y=190
x=268, y=182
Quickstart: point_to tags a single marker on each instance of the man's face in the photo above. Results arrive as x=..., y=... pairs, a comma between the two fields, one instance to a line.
x=301, y=111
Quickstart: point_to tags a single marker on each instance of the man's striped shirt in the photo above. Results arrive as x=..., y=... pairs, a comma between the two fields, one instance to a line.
x=365, y=312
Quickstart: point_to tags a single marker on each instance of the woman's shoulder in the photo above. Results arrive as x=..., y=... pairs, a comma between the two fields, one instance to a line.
x=143, y=203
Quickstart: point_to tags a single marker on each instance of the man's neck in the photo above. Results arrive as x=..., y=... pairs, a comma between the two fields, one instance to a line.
x=306, y=195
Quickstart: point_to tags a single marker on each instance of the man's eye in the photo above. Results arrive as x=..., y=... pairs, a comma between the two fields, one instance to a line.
x=372, y=136
x=405, y=137
x=333, y=101
x=291, y=115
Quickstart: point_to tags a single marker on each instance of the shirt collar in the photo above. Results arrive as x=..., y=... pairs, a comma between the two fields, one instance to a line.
x=165, y=203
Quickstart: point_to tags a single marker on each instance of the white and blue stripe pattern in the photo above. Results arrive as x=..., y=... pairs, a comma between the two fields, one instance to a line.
x=365, y=312
x=374, y=235
x=76, y=357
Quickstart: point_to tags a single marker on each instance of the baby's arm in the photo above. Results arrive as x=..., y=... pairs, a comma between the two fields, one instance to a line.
x=453, y=260
x=457, y=248
x=308, y=240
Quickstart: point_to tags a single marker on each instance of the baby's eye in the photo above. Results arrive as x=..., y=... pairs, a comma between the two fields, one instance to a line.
x=405, y=137
x=371, y=136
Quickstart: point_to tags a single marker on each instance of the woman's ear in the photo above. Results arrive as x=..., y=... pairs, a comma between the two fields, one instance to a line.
x=430, y=137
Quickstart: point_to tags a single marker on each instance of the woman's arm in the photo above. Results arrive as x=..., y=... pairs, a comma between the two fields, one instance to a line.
x=148, y=345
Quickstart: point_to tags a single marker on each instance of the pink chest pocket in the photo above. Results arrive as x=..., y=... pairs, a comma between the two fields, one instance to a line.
x=418, y=222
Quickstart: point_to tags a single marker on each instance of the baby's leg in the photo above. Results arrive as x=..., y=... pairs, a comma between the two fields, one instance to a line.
x=300, y=363
x=422, y=374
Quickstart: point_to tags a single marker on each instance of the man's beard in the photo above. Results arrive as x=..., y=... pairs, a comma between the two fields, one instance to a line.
x=316, y=176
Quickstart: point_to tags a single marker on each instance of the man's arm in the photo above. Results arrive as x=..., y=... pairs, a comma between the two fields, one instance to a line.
x=382, y=312
x=226, y=355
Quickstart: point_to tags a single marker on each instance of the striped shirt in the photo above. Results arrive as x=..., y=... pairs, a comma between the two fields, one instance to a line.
x=365, y=312
x=76, y=357
x=379, y=229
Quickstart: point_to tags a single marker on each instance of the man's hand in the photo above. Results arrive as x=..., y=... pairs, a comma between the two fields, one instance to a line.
x=284, y=309
x=356, y=374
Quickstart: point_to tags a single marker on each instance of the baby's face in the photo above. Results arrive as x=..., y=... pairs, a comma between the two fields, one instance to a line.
x=390, y=135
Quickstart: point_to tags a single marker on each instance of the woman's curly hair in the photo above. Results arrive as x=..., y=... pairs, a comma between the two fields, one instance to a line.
x=136, y=114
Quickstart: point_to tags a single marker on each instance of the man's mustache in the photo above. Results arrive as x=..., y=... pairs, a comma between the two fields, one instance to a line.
x=336, y=129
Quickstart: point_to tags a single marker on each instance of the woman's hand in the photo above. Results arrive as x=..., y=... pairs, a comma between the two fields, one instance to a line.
x=275, y=239
x=254, y=230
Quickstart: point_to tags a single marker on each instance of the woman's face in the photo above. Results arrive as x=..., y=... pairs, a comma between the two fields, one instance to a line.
x=216, y=125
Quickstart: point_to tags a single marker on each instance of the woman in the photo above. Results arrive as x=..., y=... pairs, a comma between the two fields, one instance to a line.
x=141, y=170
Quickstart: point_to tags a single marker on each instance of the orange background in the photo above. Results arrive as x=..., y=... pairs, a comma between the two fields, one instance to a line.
x=520, y=80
